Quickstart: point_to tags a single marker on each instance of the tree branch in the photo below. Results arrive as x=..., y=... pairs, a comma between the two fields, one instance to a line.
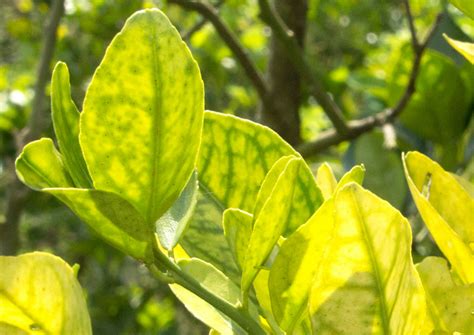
x=201, y=23
x=16, y=191
x=295, y=53
x=359, y=127
x=210, y=13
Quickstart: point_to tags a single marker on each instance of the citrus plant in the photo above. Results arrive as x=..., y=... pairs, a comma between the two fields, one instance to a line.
x=228, y=214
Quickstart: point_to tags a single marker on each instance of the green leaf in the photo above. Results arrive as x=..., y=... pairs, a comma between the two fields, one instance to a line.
x=235, y=156
x=111, y=217
x=356, y=175
x=326, y=180
x=446, y=209
x=271, y=222
x=464, y=6
x=237, y=229
x=464, y=48
x=142, y=116
x=40, y=166
x=449, y=304
x=66, y=126
x=217, y=283
x=40, y=294
x=352, y=261
x=171, y=225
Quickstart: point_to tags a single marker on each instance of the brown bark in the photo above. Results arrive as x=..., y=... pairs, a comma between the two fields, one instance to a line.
x=281, y=112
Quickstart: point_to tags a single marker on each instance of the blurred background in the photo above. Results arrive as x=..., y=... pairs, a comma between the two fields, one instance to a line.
x=361, y=51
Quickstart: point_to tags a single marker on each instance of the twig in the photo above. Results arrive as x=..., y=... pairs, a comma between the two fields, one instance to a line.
x=17, y=193
x=201, y=23
x=210, y=13
x=295, y=53
x=359, y=127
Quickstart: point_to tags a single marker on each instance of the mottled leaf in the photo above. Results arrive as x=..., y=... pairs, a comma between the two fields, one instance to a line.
x=449, y=304
x=66, y=126
x=39, y=294
x=446, y=209
x=171, y=225
x=142, y=115
x=237, y=229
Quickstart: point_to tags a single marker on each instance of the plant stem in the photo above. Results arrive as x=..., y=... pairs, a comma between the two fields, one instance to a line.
x=183, y=279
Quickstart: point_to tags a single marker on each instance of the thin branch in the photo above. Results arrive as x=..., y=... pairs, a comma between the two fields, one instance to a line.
x=411, y=26
x=16, y=192
x=201, y=23
x=359, y=127
x=211, y=14
x=295, y=53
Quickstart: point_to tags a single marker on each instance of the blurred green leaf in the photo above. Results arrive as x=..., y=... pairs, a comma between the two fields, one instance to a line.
x=40, y=294
x=465, y=6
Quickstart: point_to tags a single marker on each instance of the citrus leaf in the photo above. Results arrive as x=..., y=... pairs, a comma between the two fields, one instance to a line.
x=234, y=158
x=464, y=6
x=39, y=294
x=352, y=261
x=66, y=126
x=217, y=283
x=142, y=116
x=40, y=165
x=326, y=180
x=271, y=222
x=464, y=48
x=237, y=229
x=171, y=225
x=356, y=175
x=446, y=209
x=449, y=304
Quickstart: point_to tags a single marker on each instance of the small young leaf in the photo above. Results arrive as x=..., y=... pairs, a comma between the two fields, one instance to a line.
x=270, y=223
x=464, y=48
x=356, y=175
x=326, y=180
x=237, y=229
x=449, y=304
x=66, y=126
x=217, y=283
x=171, y=225
x=446, y=209
x=142, y=117
x=40, y=166
x=234, y=158
x=39, y=293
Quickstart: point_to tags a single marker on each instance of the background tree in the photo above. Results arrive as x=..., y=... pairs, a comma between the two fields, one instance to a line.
x=344, y=82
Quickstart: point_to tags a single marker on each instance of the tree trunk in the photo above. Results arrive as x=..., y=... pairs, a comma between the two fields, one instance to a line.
x=282, y=111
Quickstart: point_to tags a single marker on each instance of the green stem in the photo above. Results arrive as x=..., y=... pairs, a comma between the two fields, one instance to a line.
x=189, y=283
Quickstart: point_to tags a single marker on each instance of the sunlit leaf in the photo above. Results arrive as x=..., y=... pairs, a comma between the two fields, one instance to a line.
x=446, y=209
x=356, y=175
x=449, y=304
x=270, y=223
x=326, y=180
x=464, y=48
x=171, y=225
x=237, y=229
x=465, y=6
x=66, y=126
x=40, y=166
x=215, y=281
x=142, y=115
x=39, y=294
x=235, y=156
x=352, y=261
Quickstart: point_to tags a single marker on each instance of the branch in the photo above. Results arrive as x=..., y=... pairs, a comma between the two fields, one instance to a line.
x=201, y=23
x=359, y=127
x=295, y=53
x=16, y=192
x=210, y=13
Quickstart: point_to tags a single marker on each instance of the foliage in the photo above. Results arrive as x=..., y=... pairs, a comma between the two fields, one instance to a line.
x=256, y=244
